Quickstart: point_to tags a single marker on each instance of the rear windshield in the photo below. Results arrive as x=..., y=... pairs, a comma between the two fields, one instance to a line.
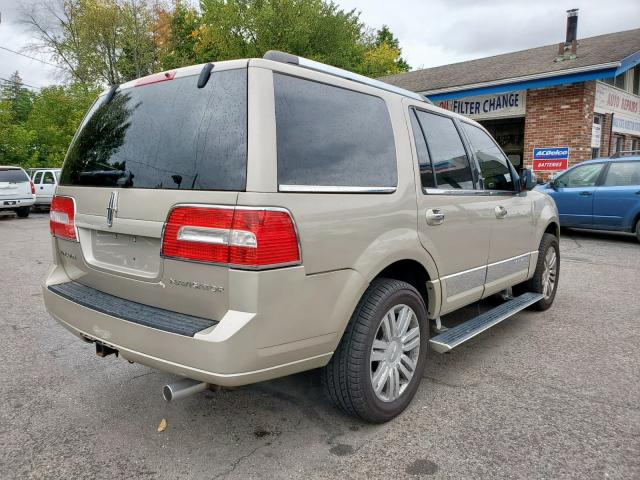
x=167, y=135
x=13, y=175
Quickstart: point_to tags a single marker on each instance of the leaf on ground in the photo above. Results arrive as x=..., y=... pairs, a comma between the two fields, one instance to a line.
x=162, y=426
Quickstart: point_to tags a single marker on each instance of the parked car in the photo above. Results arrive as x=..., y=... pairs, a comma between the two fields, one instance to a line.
x=601, y=194
x=17, y=192
x=280, y=215
x=45, y=181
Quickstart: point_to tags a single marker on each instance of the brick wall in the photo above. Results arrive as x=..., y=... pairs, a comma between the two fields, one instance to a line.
x=605, y=142
x=560, y=116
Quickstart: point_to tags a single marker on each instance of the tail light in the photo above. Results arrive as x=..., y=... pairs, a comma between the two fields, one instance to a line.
x=62, y=218
x=33, y=188
x=239, y=237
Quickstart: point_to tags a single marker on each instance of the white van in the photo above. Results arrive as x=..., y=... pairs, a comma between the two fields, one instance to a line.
x=17, y=191
x=45, y=182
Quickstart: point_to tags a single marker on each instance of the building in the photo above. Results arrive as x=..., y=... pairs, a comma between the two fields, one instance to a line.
x=548, y=107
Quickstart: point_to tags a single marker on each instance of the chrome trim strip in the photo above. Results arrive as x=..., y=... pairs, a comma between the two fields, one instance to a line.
x=334, y=189
x=461, y=192
x=504, y=268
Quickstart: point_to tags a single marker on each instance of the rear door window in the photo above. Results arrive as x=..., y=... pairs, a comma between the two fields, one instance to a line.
x=332, y=137
x=448, y=156
x=37, y=178
x=424, y=160
x=48, y=179
x=494, y=165
x=623, y=174
x=13, y=175
x=166, y=135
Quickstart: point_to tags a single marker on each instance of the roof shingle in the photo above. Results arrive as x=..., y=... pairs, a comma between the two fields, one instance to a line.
x=592, y=51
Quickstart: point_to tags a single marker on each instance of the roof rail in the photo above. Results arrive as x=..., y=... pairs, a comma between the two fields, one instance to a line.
x=625, y=153
x=284, y=57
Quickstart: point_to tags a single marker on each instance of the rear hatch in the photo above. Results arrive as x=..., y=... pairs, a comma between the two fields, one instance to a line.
x=156, y=143
x=14, y=185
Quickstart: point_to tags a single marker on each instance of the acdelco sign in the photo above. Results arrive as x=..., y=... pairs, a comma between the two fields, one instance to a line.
x=550, y=159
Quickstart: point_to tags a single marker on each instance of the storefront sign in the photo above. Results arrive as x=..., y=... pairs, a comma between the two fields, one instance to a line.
x=626, y=124
x=624, y=106
x=482, y=107
x=596, y=135
x=550, y=159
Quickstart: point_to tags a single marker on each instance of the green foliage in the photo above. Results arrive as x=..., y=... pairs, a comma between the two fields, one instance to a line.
x=40, y=137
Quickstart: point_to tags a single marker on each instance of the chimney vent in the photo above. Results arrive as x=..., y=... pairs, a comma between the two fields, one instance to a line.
x=572, y=26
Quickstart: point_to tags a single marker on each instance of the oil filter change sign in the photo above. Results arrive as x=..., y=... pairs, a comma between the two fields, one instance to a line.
x=511, y=104
x=550, y=159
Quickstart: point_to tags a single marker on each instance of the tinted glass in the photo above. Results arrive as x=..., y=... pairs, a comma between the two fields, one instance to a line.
x=493, y=163
x=582, y=176
x=37, y=177
x=332, y=136
x=448, y=156
x=426, y=169
x=13, y=175
x=623, y=174
x=169, y=135
x=48, y=178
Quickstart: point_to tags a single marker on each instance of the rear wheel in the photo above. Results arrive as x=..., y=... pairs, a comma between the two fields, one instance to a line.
x=547, y=274
x=378, y=365
x=638, y=229
x=23, y=212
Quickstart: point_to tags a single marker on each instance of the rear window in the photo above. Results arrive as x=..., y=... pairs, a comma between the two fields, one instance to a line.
x=331, y=136
x=13, y=175
x=167, y=135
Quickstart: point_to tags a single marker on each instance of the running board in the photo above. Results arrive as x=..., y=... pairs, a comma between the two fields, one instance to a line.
x=455, y=336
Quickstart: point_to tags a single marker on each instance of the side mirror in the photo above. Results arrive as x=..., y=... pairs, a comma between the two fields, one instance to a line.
x=527, y=180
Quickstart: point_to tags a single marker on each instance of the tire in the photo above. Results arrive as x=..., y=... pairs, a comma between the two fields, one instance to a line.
x=348, y=378
x=638, y=229
x=23, y=212
x=537, y=282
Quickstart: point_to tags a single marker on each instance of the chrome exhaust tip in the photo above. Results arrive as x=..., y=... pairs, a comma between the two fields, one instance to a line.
x=182, y=389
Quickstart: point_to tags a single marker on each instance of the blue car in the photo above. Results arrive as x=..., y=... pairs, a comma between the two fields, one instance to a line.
x=602, y=194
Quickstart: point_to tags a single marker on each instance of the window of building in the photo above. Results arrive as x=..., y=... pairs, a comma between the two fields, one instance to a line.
x=617, y=144
x=331, y=136
x=424, y=160
x=448, y=156
x=620, y=80
x=623, y=174
x=582, y=176
x=636, y=80
x=494, y=166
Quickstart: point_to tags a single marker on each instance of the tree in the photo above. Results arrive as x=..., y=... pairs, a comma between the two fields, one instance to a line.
x=19, y=97
x=384, y=36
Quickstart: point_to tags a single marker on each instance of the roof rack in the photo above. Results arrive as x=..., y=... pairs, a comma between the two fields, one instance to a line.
x=284, y=57
x=625, y=153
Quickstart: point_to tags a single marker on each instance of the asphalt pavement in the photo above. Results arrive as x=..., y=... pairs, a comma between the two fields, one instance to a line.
x=542, y=395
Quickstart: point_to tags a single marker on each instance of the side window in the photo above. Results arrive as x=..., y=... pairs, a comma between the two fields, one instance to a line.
x=623, y=174
x=448, y=156
x=424, y=161
x=331, y=136
x=48, y=178
x=582, y=176
x=37, y=177
x=494, y=165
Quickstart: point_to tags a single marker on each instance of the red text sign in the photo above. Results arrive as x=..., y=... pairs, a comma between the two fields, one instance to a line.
x=550, y=165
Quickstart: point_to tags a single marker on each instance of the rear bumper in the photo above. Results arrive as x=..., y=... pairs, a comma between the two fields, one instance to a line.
x=6, y=203
x=231, y=352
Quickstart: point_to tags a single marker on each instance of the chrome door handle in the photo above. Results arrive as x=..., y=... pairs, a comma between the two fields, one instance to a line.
x=585, y=194
x=501, y=212
x=435, y=216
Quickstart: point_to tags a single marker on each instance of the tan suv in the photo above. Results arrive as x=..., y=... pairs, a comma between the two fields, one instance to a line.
x=249, y=219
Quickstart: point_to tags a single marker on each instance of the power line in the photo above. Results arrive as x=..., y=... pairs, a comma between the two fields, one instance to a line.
x=19, y=83
x=32, y=58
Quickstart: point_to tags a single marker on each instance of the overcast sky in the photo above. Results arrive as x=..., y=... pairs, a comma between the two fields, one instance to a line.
x=431, y=32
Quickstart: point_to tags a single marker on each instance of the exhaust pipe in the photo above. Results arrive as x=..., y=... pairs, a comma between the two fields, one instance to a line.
x=182, y=388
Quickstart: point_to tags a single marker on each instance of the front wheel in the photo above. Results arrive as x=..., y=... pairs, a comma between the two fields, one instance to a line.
x=638, y=229
x=547, y=275
x=378, y=365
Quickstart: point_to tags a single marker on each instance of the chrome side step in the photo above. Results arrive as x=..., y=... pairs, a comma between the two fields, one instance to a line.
x=453, y=337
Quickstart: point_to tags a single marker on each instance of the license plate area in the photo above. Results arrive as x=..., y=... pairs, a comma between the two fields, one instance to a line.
x=10, y=202
x=131, y=254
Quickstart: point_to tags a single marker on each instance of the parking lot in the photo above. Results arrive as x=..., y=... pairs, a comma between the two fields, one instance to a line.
x=542, y=395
